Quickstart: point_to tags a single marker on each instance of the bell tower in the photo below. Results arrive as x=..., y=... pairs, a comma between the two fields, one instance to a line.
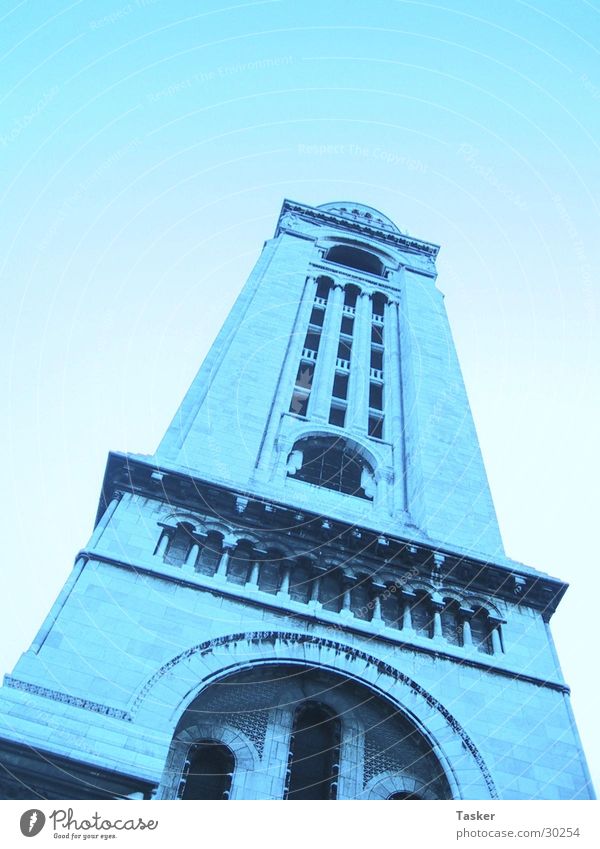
x=303, y=593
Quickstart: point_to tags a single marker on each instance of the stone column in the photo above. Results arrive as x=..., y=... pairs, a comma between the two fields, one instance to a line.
x=322, y=388
x=360, y=366
x=252, y=581
x=284, y=586
x=163, y=544
x=192, y=557
x=228, y=546
x=376, y=590
x=407, y=599
x=496, y=641
x=466, y=613
x=437, y=619
x=347, y=596
x=314, y=592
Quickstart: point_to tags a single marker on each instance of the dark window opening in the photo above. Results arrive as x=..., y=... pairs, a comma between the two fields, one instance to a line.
x=355, y=258
x=209, y=770
x=268, y=577
x=351, y=294
x=304, y=376
x=301, y=583
x=379, y=302
x=360, y=598
x=312, y=341
x=181, y=541
x=331, y=592
x=376, y=396
x=344, y=350
x=376, y=359
x=376, y=427
x=391, y=610
x=332, y=463
x=451, y=625
x=481, y=632
x=324, y=285
x=347, y=325
x=299, y=404
x=422, y=616
x=377, y=334
x=314, y=754
x=240, y=562
x=337, y=416
x=340, y=386
x=210, y=554
x=317, y=316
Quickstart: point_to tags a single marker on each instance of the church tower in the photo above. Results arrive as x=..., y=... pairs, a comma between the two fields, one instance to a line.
x=303, y=593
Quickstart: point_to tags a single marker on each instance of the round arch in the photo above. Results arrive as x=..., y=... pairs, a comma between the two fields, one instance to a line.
x=179, y=681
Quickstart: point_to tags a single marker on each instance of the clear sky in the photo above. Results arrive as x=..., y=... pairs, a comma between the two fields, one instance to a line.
x=145, y=149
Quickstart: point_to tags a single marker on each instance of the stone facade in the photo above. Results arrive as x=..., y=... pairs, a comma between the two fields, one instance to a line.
x=237, y=582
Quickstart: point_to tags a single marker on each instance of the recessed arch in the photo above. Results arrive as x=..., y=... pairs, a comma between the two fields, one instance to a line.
x=333, y=462
x=194, y=669
x=352, y=256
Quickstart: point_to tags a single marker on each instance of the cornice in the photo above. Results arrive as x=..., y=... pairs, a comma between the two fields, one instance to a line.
x=399, y=240
x=509, y=581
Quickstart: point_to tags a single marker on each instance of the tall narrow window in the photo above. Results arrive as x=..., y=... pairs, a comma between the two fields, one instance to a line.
x=210, y=554
x=181, y=541
x=481, y=631
x=451, y=626
x=314, y=753
x=310, y=350
x=376, y=426
x=422, y=615
x=208, y=773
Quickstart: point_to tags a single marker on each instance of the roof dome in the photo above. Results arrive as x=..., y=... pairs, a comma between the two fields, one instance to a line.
x=360, y=212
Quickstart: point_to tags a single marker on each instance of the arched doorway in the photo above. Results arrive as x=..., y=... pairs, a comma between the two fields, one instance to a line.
x=208, y=772
x=314, y=753
x=301, y=732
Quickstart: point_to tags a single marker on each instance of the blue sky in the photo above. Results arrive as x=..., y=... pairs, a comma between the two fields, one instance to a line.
x=145, y=149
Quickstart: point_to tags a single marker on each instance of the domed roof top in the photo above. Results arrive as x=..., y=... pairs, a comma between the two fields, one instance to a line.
x=360, y=212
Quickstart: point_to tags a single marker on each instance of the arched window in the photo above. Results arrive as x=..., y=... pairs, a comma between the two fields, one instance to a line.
x=180, y=543
x=208, y=772
x=240, y=562
x=355, y=258
x=481, y=631
x=422, y=615
x=270, y=571
x=332, y=463
x=210, y=554
x=301, y=581
x=451, y=622
x=324, y=285
x=314, y=753
x=391, y=609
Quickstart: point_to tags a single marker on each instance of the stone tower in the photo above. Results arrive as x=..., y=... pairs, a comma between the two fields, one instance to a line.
x=303, y=593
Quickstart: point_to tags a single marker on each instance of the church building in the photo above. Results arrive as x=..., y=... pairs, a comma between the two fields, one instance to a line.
x=303, y=594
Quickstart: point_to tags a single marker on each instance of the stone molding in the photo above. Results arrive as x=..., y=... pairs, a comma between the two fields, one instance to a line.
x=74, y=701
